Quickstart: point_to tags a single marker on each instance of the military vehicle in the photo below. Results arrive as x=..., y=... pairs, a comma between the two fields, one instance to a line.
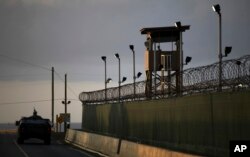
x=33, y=127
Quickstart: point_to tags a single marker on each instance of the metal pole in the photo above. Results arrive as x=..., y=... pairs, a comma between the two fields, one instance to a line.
x=56, y=123
x=220, y=54
x=154, y=70
x=119, y=83
x=105, y=81
x=65, y=100
x=181, y=64
x=134, y=73
x=169, y=82
x=238, y=74
x=52, y=95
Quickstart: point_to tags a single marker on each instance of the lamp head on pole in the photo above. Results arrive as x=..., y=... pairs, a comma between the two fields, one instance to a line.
x=159, y=48
x=216, y=8
x=139, y=74
x=108, y=80
x=117, y=56
x=124, y=79
x=228, y=50
x=188, y=59
x=178, y=24
x=104, y=58
x=131, y=47
x=63, y=102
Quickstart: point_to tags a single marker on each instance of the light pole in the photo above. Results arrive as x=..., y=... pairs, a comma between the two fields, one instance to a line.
x=65, y=102
x=178, y=25
x=105, y=76
x=216, y=8
x=238, y=63
x=106, y=82
x=134, y=77
x=52, y=95
x=119, y=75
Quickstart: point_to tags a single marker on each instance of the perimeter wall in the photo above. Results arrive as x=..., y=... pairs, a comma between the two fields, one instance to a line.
x=200, y=124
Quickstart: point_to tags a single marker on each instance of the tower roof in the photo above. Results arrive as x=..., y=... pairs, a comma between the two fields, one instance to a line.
x=164, y=34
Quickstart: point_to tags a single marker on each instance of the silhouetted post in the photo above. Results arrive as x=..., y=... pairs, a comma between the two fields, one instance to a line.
x=57, y=123
x=216, y=8
x=119, y=75
x=179, y=26
x=105, y=76
x=52, y=95
x=155, y=71
x=220, y=54
x=65, y=102
x=134, y=77
x=238, y=63
x=181, y=68
x=134, y=71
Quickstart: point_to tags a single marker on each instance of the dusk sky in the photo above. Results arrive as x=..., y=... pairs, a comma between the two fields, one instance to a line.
x=72, y=35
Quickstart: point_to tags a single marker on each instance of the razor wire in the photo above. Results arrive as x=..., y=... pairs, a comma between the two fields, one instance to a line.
x=235, y=74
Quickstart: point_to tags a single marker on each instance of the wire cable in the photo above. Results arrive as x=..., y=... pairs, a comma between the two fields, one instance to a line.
x=25, y=62
x=33, y=101
x=72, y=91
x=23, y=102
x=39, y=66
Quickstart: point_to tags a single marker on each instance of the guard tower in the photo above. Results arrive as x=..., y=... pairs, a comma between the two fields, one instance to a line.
x=160, y=61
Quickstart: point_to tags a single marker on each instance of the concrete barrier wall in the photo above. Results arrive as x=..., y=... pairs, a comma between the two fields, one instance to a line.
x=131, y=149
x=100, y=144
x=109, y=145
x=200, y=123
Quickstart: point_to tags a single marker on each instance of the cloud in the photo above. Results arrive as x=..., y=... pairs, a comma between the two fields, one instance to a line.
x=40, y=2
x=71, y=35
x=28, y=3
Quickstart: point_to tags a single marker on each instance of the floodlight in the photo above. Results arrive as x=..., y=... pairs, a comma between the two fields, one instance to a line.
x=188, y=59
x=216, y=8
x=139, y=74
x=108, y=80
x=63, y=102
x=124, y=79
x=131, y=47
x=104, y=58
x=117, y=56
x=159, y=48
x=227, y=50
x=178, y=24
